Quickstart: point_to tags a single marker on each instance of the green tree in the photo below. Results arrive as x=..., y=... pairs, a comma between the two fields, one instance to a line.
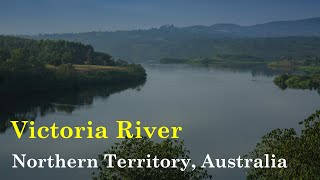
x=4, y=55
x=300, y=149
x=139, y=148
x=121, y=62
x=66, y=58
x=66, y=71
x=19, y=60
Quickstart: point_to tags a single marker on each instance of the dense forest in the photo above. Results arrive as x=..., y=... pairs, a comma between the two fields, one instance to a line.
x=28, y=65
x=299, y=147
x=52, y=52
x=268, y=41
x=136, y=46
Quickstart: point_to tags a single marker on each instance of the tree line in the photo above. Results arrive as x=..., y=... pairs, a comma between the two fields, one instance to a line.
x=24, y=65
x=55, y=52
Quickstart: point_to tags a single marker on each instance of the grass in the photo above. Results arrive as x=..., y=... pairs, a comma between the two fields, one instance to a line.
x=89, y=68
x=227, y=62
x=309, y=69
x=299, y=67
x=281, y=64
x=240, y=62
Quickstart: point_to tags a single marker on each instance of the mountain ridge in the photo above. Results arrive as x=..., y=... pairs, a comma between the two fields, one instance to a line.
x=277, y=39
x=217, y=26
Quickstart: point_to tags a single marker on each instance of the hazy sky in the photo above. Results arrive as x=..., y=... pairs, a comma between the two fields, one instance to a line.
x=58, y=16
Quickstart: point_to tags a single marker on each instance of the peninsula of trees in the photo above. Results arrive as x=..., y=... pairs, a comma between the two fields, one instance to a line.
x=308, y=76
x=30, y=65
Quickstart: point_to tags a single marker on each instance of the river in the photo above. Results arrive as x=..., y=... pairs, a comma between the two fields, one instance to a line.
x=224, y=112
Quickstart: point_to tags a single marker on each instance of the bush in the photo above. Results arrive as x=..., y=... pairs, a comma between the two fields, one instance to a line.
x=300, y=149
x=139, y=148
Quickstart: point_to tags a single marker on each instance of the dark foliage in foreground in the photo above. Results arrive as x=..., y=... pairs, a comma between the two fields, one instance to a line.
x=300, y=149
x=55, y=52
x=139, y=148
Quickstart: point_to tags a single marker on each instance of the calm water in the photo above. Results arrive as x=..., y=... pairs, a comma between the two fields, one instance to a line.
x=224, y=112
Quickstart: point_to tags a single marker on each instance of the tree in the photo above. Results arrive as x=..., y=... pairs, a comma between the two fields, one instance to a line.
x=4, y=55
x=66, y=71
x=300, y=149
x=66, y=58
x=19, y=60
x=103, y=59
x=139, y=148
x=121, y=62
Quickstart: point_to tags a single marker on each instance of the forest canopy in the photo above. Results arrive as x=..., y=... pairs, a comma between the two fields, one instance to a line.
x=300, y=148
x=29, y=65
x=53, y=52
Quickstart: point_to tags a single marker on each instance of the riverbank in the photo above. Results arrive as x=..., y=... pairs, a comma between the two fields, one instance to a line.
x=216, y=60
x=306, y=76
x=294, y=81
x=309, y=65
x=29, y=65
x=70, y=77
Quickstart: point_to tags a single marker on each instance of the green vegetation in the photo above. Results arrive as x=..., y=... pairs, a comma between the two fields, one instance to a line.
x=308, y=64
x=298, y=81
x=139, y=148
x=174, y=61
x=269, y=41
x=53, y=52
x=283, y=64
x=154, y=44
x=309, y=69
x=217, y=59
x=29, y=65
x=300, y=149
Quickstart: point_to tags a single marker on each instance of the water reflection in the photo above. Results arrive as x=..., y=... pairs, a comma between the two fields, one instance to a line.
x=224, y=112
x=254, y=69
x=29, y=106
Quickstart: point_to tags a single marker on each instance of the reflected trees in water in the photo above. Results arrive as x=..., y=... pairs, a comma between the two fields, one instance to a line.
x=30, y=106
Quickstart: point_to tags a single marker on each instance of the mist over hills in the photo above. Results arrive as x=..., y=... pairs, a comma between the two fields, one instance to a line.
x=271, y=40
x=305, y=27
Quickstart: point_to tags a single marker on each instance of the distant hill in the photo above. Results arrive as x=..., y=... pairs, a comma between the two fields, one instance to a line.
x=305, y=27
x=269, y=40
